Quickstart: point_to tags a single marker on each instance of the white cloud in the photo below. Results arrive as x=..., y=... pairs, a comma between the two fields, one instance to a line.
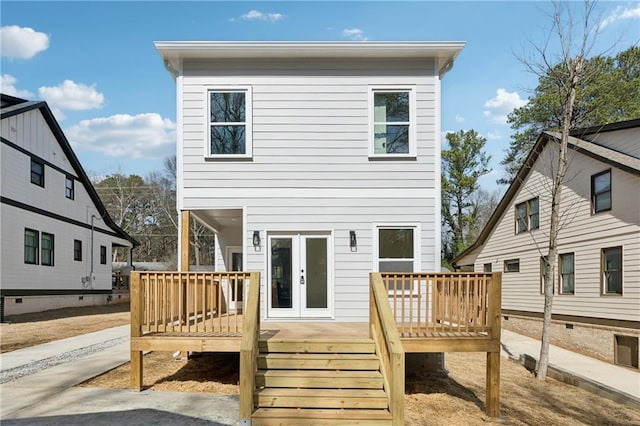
x=459, y=118
x=256, y=15
x=22, y=42
x=122, y=135
x=354, y=34
x=502, y=104
x=72, y=96
x=620, y=13
x=8, y=87
x=494, y=135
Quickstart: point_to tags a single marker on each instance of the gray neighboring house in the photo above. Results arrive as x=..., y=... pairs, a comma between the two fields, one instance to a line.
x=56, y=235
x=596, y=306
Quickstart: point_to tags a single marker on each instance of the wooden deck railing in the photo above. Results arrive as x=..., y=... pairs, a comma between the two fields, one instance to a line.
x=249, y=348
x=384, y=332
x=437, y=303
x=179, y=302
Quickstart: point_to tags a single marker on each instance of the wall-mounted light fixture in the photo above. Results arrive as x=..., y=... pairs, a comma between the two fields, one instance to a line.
x=256, y=239
x=353, y=242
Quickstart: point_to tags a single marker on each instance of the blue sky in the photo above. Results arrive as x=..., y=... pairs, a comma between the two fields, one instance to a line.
x=96, y=66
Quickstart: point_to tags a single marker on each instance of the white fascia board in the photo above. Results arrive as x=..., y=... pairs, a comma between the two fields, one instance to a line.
x=444, y=51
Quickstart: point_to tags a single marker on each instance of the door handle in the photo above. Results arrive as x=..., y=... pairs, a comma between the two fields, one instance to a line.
x=302, y=277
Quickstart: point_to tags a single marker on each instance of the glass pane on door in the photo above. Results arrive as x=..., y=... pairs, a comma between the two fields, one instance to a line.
x=281, y=272
x=236, y=265
x=316, y=274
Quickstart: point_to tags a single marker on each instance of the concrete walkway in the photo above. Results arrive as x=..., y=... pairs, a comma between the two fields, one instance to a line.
x=615, y=382
x=48, y=396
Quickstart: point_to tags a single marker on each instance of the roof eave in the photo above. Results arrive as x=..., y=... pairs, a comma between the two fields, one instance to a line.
x=444, y=51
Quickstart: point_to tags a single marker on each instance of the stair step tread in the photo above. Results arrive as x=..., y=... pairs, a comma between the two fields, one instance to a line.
x=321, y=393
x=318, y=361
x=317, y=346
x=318, y=373
x=321, y=414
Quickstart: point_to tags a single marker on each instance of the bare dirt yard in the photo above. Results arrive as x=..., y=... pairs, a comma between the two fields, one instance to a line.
x=21, y=331
x=430, y=400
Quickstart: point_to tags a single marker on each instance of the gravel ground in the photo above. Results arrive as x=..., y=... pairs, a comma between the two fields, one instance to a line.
x=36, y=366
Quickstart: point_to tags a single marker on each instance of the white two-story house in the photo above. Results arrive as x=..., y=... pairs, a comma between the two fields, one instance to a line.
x=315, y=163
x=56, y=235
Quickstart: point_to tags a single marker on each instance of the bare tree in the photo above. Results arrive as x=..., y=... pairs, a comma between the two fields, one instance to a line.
x=565, y=71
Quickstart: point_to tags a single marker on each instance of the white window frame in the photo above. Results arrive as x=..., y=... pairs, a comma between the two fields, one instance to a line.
x=413, y=134
x=248, y=123
x=416, y=246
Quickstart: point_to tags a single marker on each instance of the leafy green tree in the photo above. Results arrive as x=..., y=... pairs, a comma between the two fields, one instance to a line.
x=462, y=165
x=608, y=92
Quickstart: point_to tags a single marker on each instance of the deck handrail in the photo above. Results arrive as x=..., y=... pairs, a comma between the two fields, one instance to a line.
x=383, y=330
x=171, y=301
x=434, y=303
x=249, y=348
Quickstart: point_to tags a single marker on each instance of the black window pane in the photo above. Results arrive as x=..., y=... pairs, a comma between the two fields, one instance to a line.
x=228, y=107
x=602, y=183
x=37, y=173
x=395, y=243
x=228, y=140
x=389, y=107
x=613, y=270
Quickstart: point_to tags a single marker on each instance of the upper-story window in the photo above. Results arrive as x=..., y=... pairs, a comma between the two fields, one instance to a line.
x=392, y=122
x=601, y=192
x=229, y=123
x=527, y=215
x=37, y=172
x=69, y=187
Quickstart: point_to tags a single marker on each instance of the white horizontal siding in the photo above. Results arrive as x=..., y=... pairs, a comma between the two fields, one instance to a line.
x=582, y=233
x=310, y=169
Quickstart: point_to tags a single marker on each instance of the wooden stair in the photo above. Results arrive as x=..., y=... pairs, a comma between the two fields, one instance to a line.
x=319, y=382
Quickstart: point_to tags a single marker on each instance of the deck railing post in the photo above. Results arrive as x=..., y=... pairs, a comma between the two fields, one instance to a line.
x=136, y=303
x=249, y=349
x=494, y=295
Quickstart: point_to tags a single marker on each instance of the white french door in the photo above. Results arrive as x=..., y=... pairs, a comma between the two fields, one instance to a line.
x=300, y=276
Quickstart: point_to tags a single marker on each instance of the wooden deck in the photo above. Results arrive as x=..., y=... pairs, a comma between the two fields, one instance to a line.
x=418, y=313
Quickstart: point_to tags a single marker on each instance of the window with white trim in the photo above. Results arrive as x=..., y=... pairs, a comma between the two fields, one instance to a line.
x=392, y=126
x=229, y=123
x=397, y=252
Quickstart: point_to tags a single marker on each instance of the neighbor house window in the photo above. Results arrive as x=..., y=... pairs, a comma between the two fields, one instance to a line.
x=566, y=273
x=487, y=267
x=544, y=264
x=37, y=172
x=512, y=265
x=31, y=238
x=230, y=123
x=69, y=187
x=103, y=255
x=527, y=215
x=77, y=250
x=397, y=253
x=601, y=192
x=392, y=123
x=611, y=270
x=46, y=249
